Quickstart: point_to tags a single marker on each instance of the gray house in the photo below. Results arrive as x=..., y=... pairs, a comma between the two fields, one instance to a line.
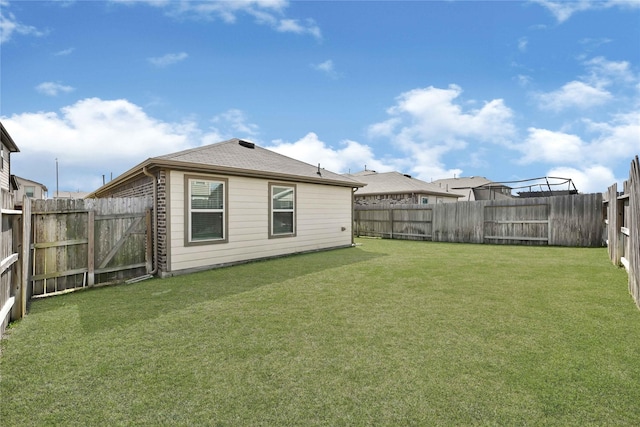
x=475, y=188
x=394, y=188
x=234, y=201
x=7, y=183
x=29, y=188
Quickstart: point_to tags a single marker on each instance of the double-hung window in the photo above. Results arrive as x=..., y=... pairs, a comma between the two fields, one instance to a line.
x=206, y=220
x=282, y=207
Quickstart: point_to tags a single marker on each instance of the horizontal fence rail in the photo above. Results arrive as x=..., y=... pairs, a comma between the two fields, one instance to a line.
x=574, y=220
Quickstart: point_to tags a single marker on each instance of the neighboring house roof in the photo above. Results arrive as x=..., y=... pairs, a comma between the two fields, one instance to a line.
x=7, y=140
x=395, y=183
x=465, y=185
x=21, y=181
x=240, y=158
x=463, y=182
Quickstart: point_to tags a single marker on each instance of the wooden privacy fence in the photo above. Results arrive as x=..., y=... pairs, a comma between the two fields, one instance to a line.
x=622, y=225
x=574, y=220
x=85, y=242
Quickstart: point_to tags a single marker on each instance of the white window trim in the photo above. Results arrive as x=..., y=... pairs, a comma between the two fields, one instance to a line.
x=294, y=210
x=188, y=239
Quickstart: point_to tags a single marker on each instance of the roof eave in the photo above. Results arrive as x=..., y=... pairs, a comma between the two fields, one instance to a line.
x=7, y=140
x=154, y=163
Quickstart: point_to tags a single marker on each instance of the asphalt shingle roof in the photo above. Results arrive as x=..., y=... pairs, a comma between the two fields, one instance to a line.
x=237, y=155
x=395, y=183
x=465, y=185
x=234, y=157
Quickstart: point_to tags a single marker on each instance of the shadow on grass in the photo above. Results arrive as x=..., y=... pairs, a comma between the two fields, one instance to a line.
x=119, y=306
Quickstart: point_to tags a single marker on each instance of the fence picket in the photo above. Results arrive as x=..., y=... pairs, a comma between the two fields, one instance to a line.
x=574, y=220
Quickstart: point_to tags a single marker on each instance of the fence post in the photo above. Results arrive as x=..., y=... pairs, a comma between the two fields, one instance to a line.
x=91, y=231
x=620, y=240
x=612, y=226
x=634, y=231
x=16, y=286
x=25, y=293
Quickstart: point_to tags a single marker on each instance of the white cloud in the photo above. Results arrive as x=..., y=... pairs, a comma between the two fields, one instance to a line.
x=168, y=59
x=53, y=89
x=64, y=52
x=295, y=26
x=351, y=156
x=232, y=123
x=92, y=137
x=523, y=80
x=603, y=82
x=574, y=94
x=616, y=140
x=428, y=123
x=592, y=179
x=9, y=25
x=265, y=12
x=424, y=167
x=328, y=68
x=603, y=72
x=543, y=145
x=594, y=43
x=384, y=129
x=431, y=113
x=523, y=42
x=593, y=145
x=562, y=10
x=94, y=129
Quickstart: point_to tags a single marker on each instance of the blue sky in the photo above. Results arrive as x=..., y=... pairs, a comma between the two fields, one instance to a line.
x=508, y=90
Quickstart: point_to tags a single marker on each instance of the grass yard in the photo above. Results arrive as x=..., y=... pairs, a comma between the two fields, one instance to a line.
x=387, y=333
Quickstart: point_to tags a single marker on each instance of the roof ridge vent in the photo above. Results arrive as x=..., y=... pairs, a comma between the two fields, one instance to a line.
x=246, y=144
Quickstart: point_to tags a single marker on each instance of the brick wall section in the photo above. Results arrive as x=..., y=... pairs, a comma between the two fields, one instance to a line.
x=138, y=188
x=162, y=221
x=141, y=187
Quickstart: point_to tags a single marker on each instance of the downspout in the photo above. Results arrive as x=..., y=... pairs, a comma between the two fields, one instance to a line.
x=353, y=215
x=155, y=220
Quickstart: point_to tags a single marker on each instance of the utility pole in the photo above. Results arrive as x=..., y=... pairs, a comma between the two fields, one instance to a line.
x=57, y=192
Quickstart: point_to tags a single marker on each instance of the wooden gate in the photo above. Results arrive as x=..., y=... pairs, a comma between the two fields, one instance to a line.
x=81, y=243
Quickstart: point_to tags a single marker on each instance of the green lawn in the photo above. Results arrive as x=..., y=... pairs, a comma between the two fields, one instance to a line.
x=387, y=333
